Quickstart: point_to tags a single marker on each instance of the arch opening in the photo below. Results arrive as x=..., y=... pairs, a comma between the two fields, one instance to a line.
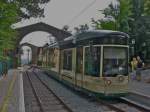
x=26, y=55
x=34, y=40
x=38, y=38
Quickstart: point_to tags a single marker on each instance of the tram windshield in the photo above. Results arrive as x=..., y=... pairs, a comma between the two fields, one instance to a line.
x=115, y=61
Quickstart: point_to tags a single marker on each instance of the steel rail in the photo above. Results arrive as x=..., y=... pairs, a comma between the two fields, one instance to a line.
x=35, y=93
x=140, y=97
x=141, y=107
x=118, y=109
x=123, y=101
x=105, y=103
x=99, y=101
x=111, y=106
x=61, y=101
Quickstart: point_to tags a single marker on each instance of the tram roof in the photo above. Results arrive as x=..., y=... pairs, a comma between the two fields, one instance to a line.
x=91, y=34
x=98, y=34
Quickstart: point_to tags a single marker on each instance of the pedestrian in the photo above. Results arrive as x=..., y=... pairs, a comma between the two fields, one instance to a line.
x=134, y=63
x=140, y=66
x=133, y=68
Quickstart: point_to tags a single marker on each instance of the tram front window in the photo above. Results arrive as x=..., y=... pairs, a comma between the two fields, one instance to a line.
x=115, y=61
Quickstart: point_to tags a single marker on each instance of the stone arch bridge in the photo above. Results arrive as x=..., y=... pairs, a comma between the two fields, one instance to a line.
x=23, y=31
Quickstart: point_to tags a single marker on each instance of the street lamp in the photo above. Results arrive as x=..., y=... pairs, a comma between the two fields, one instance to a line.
x=116, y=13
x=133, y=46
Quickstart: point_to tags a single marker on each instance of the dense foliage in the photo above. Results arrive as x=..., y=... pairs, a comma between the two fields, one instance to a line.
x=116, y=17
x=147, y=7
x=29, y=8
x=8, y=16
x=130, y=16
x=81, y=28
x=140, y=23
x=12, y=11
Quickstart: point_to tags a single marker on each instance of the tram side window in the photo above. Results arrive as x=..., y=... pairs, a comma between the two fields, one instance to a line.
x=79, y=65
x=52, y=60
x=92, y=61
x=54, y=56
x=67, y=62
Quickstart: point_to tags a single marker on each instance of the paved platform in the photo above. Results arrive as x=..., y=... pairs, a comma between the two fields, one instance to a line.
x=143, y=86
x=11, y=92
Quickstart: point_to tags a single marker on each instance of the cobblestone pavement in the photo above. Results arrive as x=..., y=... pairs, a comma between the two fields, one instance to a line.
x=75, y=102
x=13, y=104
x=142, y=86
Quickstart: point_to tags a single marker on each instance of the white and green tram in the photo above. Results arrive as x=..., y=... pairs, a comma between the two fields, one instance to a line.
x=93, y=61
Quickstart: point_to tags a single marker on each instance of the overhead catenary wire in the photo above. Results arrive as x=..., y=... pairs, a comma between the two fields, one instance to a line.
x=81, y=12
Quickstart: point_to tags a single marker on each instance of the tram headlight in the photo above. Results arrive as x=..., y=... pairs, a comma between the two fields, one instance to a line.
x=120, y=78
x=108, y=82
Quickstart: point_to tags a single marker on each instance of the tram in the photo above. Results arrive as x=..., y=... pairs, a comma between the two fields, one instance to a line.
x=93, y=61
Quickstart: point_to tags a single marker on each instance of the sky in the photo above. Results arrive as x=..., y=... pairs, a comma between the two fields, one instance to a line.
x=35, y=38
x=64, y=12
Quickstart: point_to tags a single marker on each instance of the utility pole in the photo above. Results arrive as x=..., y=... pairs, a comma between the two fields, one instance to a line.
x=116, y=11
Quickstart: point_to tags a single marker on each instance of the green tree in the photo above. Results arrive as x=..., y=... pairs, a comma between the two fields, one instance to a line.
x=104, y=24
x=29, y=8
x=131, y=16
x=116, y=17
x=124, y=15
x=8, y=16
x=81, y=28
x=147, y=7
x=12, y=11
x=138, y=24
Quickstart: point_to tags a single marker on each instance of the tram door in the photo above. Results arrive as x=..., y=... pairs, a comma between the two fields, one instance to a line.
x=79, y=67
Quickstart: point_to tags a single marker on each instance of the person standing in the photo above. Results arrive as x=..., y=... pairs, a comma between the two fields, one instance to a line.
x=140, y=65
x=134, y=63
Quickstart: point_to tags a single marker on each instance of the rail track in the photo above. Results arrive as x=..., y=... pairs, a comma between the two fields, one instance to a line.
x=130, y=103
x=42, y=97
x=138, y=100
x=120, y=105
